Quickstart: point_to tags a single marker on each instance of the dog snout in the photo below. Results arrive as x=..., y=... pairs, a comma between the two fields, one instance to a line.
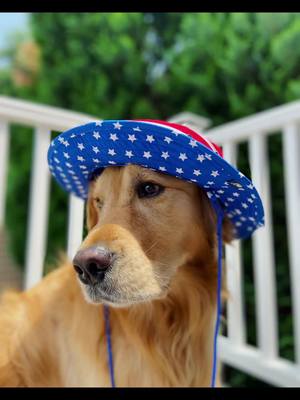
x=92, y=263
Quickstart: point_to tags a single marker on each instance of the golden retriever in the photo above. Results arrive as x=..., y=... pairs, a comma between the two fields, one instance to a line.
x=158, y=237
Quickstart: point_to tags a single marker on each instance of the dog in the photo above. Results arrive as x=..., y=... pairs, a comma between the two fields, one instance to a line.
x=151, y=256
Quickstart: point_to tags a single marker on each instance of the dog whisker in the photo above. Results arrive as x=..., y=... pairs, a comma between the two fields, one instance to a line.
x=151, y=247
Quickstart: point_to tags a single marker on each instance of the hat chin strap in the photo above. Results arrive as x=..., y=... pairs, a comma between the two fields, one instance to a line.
x=220, y=216
x=109, y=346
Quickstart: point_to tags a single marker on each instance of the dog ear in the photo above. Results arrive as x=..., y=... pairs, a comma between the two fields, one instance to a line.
x=227, y=230
x=91, y=212
x=209, y=218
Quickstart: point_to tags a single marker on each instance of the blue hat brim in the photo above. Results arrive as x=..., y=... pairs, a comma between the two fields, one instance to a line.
x=77, y=154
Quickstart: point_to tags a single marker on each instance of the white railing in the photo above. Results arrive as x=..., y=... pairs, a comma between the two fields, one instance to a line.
x=262, y=361
x=43, y=119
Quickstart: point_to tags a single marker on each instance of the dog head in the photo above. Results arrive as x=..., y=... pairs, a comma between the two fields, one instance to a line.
x=143, y=226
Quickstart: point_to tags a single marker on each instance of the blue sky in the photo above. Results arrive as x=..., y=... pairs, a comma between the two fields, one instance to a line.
x=10, y=22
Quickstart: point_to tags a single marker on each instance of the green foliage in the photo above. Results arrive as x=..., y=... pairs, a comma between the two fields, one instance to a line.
x=117, y=65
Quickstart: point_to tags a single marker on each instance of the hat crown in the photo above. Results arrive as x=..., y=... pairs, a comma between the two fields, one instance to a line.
x=75, y=155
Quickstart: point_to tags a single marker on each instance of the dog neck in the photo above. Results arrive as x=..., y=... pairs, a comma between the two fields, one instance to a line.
x=175, y=334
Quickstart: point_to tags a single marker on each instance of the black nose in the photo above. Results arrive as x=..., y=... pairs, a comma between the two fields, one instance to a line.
x=92, y=263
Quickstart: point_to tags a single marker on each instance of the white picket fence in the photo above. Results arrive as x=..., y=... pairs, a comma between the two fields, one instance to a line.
x=262, y=361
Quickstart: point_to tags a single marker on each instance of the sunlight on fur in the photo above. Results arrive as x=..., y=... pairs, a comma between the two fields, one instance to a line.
x=161, y=289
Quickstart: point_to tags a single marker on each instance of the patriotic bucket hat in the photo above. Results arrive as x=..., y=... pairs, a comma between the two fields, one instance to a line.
x=76, y=156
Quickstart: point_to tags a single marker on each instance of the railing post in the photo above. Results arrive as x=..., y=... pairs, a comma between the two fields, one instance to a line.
x=291, y=156
x=38, y=214
x=4, y=151
x=75, y=226
x=263, y=257
x=234, y=274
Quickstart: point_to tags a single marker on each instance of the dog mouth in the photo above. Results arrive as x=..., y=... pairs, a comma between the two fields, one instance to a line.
x=104, y=294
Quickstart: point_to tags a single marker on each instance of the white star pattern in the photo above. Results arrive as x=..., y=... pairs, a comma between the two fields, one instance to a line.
x=182, y=156
x=193, y=143
x=132, y=138
x=168, y=140
x=150, y=139
x=200, y=158
x=236, y=184
x=147, y=154
x=117, y=125
x=128, y=154
x=238, y=195
x=96, y=135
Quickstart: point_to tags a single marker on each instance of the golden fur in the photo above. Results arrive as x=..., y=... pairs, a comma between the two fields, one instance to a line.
x=162, y=288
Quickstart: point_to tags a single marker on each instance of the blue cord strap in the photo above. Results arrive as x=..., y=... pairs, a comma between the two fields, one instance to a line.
x=220, y=214
x=109, y=346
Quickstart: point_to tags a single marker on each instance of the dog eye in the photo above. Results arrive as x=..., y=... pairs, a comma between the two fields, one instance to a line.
x=149, y=189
